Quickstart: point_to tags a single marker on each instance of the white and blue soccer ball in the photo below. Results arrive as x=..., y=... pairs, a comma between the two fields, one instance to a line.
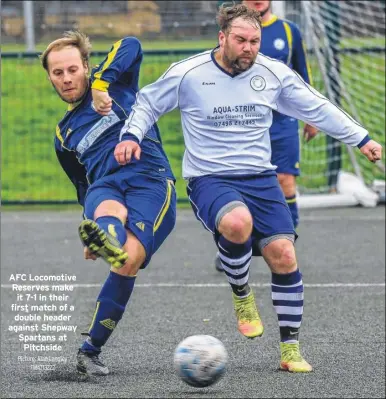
x=200, y=360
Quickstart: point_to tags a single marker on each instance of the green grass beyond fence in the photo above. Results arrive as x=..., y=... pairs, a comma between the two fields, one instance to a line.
x=30, y=111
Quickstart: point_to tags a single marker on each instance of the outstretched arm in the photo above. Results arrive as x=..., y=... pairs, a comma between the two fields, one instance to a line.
x=301, y=101
x=152, y=102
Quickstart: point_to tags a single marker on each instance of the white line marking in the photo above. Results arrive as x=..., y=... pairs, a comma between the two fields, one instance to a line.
x=222, y=285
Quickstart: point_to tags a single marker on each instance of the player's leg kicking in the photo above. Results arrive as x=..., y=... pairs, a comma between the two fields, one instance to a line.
x=124, y=225
x=255, y=206
x=222, y=211
x=235, y=251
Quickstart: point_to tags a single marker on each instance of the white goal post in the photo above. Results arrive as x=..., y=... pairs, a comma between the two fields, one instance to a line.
x=345, y=42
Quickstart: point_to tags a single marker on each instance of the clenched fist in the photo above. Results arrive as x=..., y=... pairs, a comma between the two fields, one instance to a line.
x=372, y=150
x=102, y=101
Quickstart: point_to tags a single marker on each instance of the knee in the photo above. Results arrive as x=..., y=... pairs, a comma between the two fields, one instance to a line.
x=280, y=256
x=129, y=269
x=287, y=259
x=236, y=225
x=111, y=208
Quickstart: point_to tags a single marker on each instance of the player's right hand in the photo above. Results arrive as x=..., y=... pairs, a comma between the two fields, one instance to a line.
x=372, y=150
x=102, y=102
x=125, y=150
x=88, y=254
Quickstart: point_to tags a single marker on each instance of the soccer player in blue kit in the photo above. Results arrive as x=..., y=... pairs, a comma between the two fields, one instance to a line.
x=130, y=209
x=282, y=40
x=226, y=97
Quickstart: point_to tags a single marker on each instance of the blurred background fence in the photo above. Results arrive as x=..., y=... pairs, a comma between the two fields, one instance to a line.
x=109, y=20
x=169, y=31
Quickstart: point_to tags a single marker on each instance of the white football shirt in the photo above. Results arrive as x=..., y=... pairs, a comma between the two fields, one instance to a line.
x=226, y=119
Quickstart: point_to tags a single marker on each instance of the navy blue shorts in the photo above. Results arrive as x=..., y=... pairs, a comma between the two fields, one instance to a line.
x=260, y=193
x=150, y=202
x=286, y=148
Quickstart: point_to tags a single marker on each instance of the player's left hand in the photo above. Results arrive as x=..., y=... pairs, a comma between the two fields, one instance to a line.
x=309, y=132
x=372, y=150
x=102, y=101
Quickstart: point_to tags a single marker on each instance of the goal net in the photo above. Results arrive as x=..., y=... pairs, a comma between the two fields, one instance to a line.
x=346, y=50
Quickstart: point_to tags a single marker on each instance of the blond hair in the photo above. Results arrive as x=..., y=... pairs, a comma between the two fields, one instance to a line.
x=226, y=15
x=70, y=38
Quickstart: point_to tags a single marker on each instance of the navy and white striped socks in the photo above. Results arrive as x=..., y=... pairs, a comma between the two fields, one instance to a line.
x=235, y=260
x=287, y=298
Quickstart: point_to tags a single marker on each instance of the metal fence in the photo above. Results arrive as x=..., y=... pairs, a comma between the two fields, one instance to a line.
x=30, y=108
x=159, y=20
x=154, y=20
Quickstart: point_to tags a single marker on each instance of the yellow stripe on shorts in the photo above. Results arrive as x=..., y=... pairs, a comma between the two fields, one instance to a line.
x=164, y=208
x=93, y=318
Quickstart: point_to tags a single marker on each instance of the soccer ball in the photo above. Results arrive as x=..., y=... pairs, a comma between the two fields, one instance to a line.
x=200, y=360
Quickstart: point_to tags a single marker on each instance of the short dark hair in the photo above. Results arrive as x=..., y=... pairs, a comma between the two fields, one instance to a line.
x=227, y=14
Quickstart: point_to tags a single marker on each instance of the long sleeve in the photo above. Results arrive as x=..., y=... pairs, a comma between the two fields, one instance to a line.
x=152, y=102
x=299, y=100
x=122, y=56
x=74, y=170
x=300, y=62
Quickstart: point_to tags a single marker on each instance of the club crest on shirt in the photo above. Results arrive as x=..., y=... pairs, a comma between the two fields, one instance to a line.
x=258, y=83
x=279, y=44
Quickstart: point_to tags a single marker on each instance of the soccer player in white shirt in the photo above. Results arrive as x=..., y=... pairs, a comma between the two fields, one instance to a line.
x=281, y=39
x=226, y=97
